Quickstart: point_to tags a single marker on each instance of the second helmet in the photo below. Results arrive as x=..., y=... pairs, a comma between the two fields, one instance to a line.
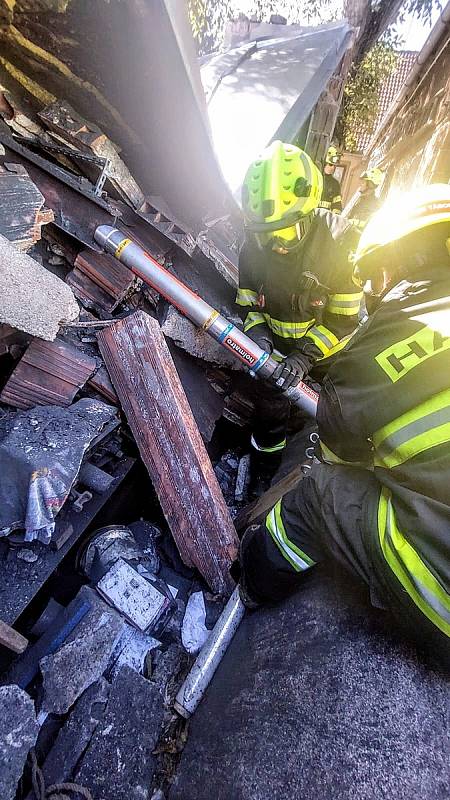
x=281, y=190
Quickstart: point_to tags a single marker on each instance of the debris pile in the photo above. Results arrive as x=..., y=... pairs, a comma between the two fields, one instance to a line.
x=116, y=532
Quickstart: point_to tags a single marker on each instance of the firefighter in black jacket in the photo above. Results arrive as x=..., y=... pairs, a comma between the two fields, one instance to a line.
x=331, y=198
x=367, y=202
x=296, y=294
x=379, y=504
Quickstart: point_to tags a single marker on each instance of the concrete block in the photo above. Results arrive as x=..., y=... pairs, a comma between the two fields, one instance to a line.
x=18, y=733
x=75, y=735
x=32, y=299
x=82, y=659
x=119, y=762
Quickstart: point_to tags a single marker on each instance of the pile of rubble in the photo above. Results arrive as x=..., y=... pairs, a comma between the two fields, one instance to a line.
x=116, y=532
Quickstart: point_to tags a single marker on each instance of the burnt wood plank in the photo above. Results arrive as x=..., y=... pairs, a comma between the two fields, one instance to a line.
x=147, y=383
x=21, y=580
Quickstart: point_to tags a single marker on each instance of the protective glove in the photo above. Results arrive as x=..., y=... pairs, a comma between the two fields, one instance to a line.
x=262, y=340
x=290, y=372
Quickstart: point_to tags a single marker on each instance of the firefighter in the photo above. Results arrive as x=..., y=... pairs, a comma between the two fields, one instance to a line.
x=367, y=202
x=331, y=198
x=379, y=502
x=296, y=294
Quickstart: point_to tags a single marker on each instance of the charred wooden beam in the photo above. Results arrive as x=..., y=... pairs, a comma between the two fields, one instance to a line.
x=151, y=394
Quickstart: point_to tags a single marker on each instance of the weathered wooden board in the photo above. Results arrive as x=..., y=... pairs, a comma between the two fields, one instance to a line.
x=151, y=394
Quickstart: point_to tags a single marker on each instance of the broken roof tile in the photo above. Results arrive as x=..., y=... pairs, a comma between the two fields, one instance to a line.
x=49, y=373
x=100, y=280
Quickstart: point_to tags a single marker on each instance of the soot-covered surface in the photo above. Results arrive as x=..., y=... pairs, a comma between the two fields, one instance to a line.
x=318, y=699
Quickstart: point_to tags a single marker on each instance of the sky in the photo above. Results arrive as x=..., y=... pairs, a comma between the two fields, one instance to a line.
x=413, y=32
x=416, y=33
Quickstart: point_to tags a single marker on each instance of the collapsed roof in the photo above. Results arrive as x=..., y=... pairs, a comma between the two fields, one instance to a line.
x=266, y=89
x=132, y=68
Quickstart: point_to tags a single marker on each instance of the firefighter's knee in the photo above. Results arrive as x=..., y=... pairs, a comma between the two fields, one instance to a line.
x=266, y=576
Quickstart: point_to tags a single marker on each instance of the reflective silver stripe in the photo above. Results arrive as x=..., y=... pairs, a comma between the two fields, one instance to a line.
x=422, y=590
x=252, y=319
x=246, y=297
x=274, y=449
x=350, y=300
x=275, y=526
x=413, y=429
x=287, y=330
x=346, y=303
x=326, y=340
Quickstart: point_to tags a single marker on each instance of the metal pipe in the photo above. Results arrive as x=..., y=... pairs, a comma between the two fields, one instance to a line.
x=199, y=312
x=210, y=656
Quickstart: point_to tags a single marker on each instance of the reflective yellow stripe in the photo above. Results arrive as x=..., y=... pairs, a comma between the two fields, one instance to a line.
x=331, y=458
x=425, y=426
x=252, y=319
x=298, y=560
x=324, y=204
x=288, y=330
x=323, y=338
x=344, y=304
x=246, y=297
x=406, y=564
x=338, y=347
x=337, y=199
x=276, y=448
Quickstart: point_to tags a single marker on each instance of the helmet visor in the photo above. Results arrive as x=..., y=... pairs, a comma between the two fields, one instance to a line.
x=286, y=238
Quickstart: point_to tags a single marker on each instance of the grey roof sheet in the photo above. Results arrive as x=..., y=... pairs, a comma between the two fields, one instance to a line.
x=266, y=89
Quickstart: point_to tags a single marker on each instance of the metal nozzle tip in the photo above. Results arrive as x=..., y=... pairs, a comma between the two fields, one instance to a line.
x=102, y=234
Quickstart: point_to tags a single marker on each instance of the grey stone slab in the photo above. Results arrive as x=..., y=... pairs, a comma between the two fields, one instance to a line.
x=32, y=299
x=75, y=735
x=118, y=764
x=319, y=699
x=82, y=659
x=168, y=667
x=18, y=733
x=196, y=341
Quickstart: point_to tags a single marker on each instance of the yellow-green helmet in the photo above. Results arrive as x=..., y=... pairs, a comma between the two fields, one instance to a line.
x=374, y=175
x=281, y=190
x=404, y=214
x=333, y=156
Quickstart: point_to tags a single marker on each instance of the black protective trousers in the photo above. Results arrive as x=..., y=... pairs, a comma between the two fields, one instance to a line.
x=326, y=517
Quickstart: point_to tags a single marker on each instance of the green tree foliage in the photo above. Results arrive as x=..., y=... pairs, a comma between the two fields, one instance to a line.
x=361, y=94
x=209, y=17
x=375, y=56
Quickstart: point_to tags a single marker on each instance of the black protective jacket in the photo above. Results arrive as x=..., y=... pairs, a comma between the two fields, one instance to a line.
x=305, y=301
x=385, y=403
x=366, y=205
x=331, y=198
